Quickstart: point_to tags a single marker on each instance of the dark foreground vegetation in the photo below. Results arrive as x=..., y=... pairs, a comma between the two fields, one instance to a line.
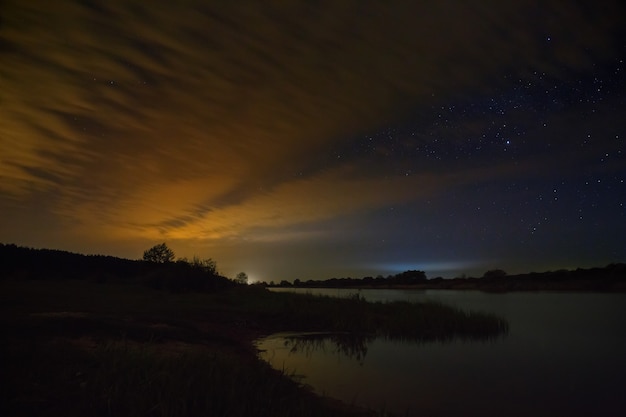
x=159, y=272
x=76, y=346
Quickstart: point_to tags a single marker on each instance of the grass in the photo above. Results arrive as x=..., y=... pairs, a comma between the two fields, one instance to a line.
x=127, y=379
x=428, y=321
x=77, y=348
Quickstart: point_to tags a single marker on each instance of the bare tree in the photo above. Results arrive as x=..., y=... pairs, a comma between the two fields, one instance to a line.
x=160, y=254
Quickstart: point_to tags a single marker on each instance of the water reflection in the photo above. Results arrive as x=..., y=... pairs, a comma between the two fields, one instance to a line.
x=378, y=372
x=563, y=355
x=350, y=345
x=355, y=345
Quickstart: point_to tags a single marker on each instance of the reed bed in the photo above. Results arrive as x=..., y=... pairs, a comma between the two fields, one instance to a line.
x=428, y=321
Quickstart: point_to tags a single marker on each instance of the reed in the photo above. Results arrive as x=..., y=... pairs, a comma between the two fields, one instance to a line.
x=429, y=321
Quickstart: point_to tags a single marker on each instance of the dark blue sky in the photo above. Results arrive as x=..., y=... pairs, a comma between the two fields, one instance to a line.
x=317, y=140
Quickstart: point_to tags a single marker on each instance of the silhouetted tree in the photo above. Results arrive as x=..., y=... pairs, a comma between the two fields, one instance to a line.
x=207, y=265
x=494, y=273
x=242, y=278
x=160, y=254
x=409, y=277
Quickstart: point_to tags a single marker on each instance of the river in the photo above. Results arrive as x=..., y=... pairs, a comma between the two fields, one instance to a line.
x=565, y=354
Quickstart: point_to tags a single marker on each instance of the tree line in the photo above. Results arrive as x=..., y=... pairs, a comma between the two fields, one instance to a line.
x=609, y=278
x=410, y=277
x=157, y=269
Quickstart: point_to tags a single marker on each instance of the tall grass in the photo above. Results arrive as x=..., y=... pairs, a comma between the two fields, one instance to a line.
x=127, y=379
x=429, y=321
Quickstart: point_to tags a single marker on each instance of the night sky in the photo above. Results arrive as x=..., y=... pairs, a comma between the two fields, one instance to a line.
x=311, y=140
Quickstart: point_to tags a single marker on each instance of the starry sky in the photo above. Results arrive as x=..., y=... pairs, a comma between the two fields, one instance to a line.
x=317, y=139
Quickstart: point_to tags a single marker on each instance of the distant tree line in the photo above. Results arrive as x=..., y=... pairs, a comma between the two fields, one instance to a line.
x=410, y=277
x=609, y=278
x=157, y=269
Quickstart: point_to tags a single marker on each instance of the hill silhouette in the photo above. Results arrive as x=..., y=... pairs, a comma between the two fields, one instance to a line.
x=17, y=262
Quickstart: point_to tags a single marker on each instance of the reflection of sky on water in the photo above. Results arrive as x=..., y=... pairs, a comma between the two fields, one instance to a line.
x=562, y=356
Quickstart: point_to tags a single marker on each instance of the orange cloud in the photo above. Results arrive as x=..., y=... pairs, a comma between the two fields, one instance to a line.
x=189, y=121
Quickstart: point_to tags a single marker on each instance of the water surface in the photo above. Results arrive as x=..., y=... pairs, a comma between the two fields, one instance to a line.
x=565, y=354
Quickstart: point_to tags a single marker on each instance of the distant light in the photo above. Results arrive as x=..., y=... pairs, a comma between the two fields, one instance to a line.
x=428, y=266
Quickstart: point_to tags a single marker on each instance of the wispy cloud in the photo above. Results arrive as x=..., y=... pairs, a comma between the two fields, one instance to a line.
x=195, y=119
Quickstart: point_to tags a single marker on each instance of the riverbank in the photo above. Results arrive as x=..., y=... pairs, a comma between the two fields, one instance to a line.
x=83, y=348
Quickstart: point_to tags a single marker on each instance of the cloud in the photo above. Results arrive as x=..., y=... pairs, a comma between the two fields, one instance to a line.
x=193, y=120
x=296, y=210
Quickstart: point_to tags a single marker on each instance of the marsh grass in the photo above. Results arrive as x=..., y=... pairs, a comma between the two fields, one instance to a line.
x=429, y=321
x=129, y=379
